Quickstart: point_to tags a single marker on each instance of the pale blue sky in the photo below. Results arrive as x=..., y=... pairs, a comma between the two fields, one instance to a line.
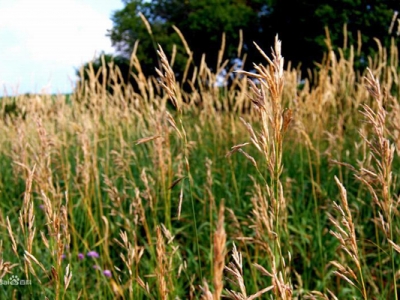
x=42, y=42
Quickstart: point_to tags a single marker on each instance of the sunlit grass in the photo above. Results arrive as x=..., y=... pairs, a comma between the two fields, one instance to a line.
x=129, y=194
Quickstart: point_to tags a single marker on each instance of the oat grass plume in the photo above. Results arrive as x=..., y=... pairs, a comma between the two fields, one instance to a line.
x=235, y=270
x=377, y=176
x=266, y=96
x=346, y=235
x=170, y=86
x=162, y=266
x=219, y=254
x=167, y=79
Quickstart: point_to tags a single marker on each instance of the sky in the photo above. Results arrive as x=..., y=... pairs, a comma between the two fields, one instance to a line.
x=43, y=42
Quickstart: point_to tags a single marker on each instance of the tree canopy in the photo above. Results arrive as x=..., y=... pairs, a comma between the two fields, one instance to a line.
x=300, y=24
x=201, y=22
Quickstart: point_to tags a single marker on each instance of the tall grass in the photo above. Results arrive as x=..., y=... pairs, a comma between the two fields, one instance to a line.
x=265, y=188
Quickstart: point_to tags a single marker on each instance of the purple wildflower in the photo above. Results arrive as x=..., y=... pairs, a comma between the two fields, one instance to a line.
x=93, y=254
x=81, y=256
x=63, y=256
x=107, y=273
x=96, y=267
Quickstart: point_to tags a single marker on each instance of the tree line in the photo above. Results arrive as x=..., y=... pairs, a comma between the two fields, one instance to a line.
x=300, y=24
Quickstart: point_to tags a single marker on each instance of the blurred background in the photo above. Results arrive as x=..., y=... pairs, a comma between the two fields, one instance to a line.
x=45, y=42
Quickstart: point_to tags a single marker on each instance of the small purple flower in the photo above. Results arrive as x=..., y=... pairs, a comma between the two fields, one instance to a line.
x=93, y=254
x=41, y=206
x=63, y=256
x=107, y=273
x=81, y=256
x=96, y=267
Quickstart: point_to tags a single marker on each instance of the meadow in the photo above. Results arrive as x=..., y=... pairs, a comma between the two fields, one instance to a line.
x=271, y=187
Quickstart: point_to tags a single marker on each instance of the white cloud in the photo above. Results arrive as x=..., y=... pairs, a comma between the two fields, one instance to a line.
x=46, y=38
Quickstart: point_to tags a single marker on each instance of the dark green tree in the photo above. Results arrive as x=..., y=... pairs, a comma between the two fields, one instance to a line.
x=300, y=24
x=202, y=23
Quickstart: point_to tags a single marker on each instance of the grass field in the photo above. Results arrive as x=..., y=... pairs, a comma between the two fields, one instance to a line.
x=272, y=189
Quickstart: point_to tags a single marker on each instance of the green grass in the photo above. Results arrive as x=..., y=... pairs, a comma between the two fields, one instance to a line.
x=89, y=155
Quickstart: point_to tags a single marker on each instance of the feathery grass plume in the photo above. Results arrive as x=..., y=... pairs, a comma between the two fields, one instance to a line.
x=274, y=124
x=394, y=117
x=167, y=80
x=59, y=240
x=67, y=277
x=171, y=87
x=377, y=176
x=188, y=52
x=206, y=293
x=5, y=266
x=219, y=247
x=161, y=266
x=265, y=237
x=219, y=254
x=131, y=260
x=315, y=295
x=11, y=234
x=167, y=251
x=274, y=121
x=208, y=186
x=282, y=290
x=29, y=258
x=346, y=235
x=382, y=151
x=115, y=196
x=27, y=216
x=235, y=269
x=27, y=220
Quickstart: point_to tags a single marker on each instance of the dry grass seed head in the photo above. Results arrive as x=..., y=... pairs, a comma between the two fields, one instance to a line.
x=167, y=78
x=219, y=254
x=206, y=293
x=161, y=265
x=235, y=269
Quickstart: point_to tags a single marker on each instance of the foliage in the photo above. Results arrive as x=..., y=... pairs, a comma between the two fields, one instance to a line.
x=202, y=23
x=299, y=23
